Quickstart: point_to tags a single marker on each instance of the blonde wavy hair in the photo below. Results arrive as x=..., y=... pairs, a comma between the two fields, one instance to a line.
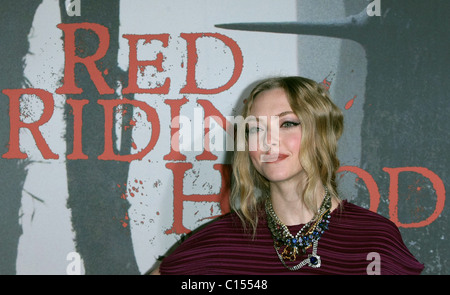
x=322, y=125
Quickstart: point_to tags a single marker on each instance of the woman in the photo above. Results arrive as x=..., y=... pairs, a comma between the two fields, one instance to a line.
x=288, y=217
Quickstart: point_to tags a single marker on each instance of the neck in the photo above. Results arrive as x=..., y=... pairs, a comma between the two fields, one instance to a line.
x=288, y=204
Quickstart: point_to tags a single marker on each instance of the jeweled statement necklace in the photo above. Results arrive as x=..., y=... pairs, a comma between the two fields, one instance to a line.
x=288, y=246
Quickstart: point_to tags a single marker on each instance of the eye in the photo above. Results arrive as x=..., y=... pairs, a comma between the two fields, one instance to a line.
x=253, y=129
x=289, y=124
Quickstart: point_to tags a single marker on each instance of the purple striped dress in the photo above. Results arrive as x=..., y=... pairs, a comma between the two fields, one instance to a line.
x=224, y=248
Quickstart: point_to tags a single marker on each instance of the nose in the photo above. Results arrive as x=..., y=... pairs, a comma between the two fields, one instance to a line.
x=271, y=137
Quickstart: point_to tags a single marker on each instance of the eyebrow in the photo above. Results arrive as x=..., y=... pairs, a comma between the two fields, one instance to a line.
x=285, y=113
x=279, y=115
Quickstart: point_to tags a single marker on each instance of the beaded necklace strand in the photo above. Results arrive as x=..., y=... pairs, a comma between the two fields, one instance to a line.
x=308, y=236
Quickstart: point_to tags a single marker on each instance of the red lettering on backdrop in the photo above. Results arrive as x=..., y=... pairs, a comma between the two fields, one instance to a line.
x=136, y=66
x=69, y=86
x=211, y=112
x=374, y=194
x=77, y=111
x=175, y=106
x=16, y=124
x=192, y=57
x=179, y=170
x=438, y=186
x=152, y=117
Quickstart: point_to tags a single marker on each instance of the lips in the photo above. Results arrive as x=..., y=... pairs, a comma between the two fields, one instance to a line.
x=273, y=158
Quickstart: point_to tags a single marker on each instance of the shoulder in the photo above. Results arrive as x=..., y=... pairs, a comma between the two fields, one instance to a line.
x=225, y=224
x=371, y=232
x=365, y=226
x=362, y=226
x=358, y=217
x=201, y=251
x=216, y=230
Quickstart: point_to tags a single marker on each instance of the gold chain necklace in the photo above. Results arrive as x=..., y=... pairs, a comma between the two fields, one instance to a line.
x=308, y=236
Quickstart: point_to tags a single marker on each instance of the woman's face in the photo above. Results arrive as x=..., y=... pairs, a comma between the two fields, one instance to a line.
x=274, y=137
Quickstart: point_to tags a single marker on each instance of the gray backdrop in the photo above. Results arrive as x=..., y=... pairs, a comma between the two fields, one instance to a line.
x=388, y=73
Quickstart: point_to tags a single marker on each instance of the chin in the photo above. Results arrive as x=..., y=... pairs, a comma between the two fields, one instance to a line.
x=277, y=177
x=282, y=174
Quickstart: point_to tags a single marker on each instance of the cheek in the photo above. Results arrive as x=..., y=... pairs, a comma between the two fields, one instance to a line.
x=293, y=142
